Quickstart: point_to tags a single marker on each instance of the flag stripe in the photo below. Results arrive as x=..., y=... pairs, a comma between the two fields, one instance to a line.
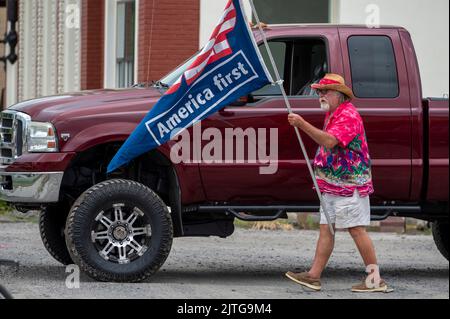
x=226, y=13
x=227, y=25
x=189, y=74
x=219, y=47
x=226, y=18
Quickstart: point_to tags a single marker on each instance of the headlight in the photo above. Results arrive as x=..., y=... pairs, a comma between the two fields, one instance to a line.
x=41, y=138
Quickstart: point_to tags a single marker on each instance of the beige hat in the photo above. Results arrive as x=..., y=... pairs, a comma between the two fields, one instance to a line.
x=334, y=82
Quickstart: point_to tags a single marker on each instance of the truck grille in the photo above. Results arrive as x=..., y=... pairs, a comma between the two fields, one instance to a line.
x=13, y=127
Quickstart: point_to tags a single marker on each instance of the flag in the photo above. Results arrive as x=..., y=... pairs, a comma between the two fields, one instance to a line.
x=228, y=67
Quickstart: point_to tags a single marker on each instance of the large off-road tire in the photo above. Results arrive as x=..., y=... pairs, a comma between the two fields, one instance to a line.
x=119, y=231
x=52, y=222
x=440, y=235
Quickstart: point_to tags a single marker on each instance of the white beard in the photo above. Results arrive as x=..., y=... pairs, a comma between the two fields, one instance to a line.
x=325, y=106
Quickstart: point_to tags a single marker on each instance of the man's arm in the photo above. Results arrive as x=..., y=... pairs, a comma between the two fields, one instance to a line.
x=320, y=137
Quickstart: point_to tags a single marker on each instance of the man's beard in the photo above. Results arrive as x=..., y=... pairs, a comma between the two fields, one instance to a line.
x=325, y=106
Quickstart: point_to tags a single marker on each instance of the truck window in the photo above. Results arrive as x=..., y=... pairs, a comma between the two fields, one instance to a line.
x=300, y=62
x=279, y=50
x=373, y=67
x=309, y=66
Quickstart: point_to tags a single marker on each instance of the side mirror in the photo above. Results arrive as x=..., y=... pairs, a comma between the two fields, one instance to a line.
x=244, y=100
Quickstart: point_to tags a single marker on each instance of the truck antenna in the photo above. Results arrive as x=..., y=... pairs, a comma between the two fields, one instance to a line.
x=150, y=43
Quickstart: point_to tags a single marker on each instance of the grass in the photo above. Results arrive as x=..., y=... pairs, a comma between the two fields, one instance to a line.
x=281, y=224
x=9, y=215
x=412, y=229
x=273, y=225
x=4, y=208
x=310, y=222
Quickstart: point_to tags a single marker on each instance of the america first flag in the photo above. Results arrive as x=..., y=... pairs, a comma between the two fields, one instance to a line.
x=228, y=67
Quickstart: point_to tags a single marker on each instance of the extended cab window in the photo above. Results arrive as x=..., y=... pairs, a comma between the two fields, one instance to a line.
x=279, y=51
x=373, y=67
x=300, y=62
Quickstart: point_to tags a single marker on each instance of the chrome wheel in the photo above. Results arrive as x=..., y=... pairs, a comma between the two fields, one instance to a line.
x=121, y=234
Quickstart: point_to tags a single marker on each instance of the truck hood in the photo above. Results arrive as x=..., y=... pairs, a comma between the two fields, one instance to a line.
x=89, y=103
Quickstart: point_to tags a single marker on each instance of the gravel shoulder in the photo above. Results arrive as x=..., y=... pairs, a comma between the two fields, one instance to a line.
x=248, y=265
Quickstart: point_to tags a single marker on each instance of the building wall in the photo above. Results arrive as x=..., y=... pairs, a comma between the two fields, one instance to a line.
x=168, y=34
x=67, y=45
x=293, y=11
x=48, y=49
x=54, y=58
x=428, y=23
x=92, y=44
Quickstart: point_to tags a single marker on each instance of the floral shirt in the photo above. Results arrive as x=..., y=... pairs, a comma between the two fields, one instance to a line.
x=347, y=167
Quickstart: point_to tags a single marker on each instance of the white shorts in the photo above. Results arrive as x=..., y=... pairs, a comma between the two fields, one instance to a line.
x=346, y=212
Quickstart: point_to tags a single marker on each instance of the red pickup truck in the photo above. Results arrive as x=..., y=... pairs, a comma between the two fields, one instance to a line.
x=119, y=227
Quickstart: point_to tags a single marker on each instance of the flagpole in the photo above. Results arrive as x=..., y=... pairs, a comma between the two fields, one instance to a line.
x=289, y=108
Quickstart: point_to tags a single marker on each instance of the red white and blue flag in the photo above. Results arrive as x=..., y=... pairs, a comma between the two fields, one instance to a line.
x=228, y=67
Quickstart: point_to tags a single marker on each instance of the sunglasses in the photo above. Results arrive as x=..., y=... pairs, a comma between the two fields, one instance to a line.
x=322, y=92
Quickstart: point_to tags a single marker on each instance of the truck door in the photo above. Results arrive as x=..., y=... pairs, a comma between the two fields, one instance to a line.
x=301, y=60
x=375, y=68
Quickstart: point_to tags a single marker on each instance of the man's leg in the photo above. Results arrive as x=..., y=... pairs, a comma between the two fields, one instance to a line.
x=325, y=247
x=364, y=244
x=373, y=282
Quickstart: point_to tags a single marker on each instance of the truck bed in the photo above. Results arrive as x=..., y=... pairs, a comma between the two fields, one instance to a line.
x=436, y=143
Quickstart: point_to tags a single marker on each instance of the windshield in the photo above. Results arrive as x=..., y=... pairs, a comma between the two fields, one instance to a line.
x=170, y=79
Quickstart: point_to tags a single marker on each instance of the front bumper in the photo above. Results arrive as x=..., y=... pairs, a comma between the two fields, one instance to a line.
x=30, y=188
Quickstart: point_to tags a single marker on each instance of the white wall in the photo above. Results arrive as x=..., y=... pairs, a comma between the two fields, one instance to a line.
x=210, y=13
x=428, y=23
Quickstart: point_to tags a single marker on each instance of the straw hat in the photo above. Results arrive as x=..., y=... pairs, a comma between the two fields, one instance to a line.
x=334, y=82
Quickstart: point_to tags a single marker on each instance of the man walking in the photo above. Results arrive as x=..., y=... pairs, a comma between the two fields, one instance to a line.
x=342, y=167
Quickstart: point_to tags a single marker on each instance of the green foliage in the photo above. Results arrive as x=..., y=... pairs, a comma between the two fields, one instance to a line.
x=8, y=214
x=4, y=208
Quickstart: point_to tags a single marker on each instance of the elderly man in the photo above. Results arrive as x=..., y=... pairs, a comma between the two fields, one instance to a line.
x=343, y=170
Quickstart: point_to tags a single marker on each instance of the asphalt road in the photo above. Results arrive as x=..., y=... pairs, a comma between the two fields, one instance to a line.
x=250, y=264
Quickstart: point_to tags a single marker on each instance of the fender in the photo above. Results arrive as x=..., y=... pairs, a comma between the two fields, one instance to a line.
x=190, y=182
x=98, y=134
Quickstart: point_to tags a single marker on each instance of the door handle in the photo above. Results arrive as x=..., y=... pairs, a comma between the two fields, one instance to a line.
x=226, y=113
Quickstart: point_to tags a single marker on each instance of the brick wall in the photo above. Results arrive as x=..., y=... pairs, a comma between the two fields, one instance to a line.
x=92, y=44
x=175, y=35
